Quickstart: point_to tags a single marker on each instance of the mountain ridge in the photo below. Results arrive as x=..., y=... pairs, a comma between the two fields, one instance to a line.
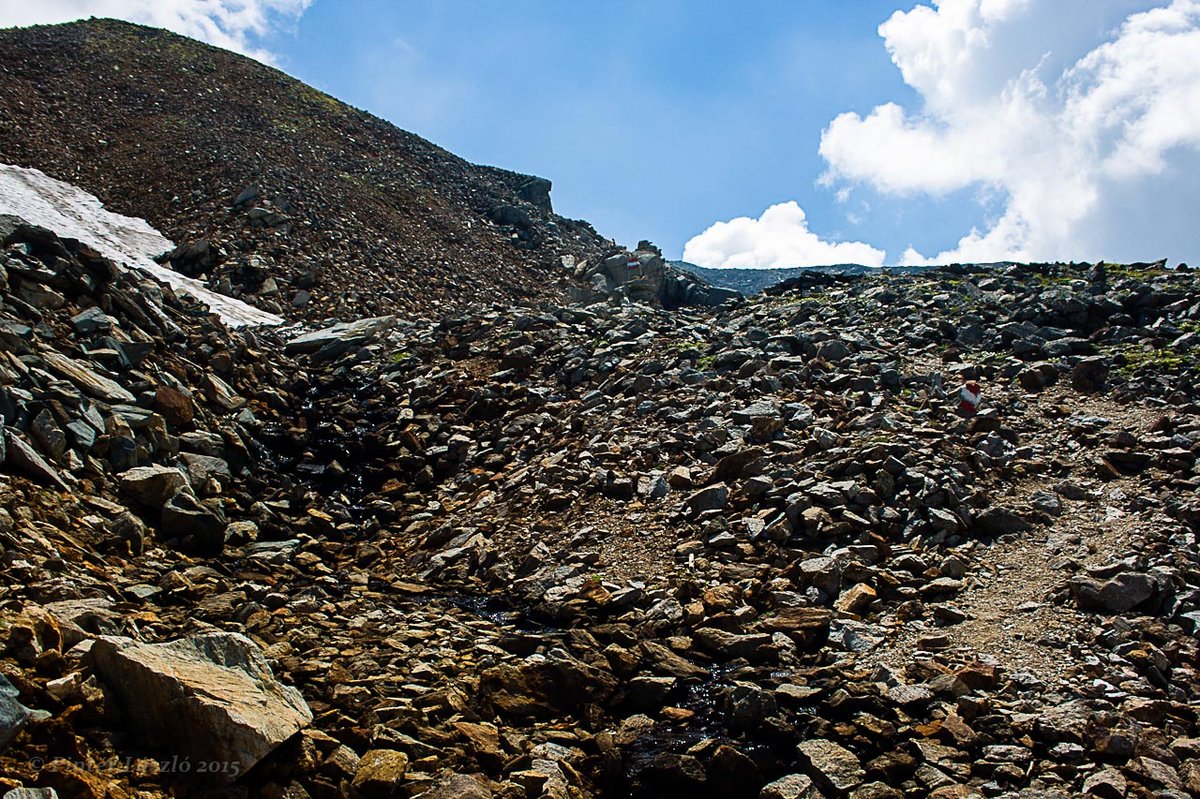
x=162, y=127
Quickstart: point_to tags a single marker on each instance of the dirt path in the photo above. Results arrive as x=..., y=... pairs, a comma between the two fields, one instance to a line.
x=1007, y=599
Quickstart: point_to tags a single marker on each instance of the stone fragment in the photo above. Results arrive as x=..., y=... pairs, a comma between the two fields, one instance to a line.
x=31, y=793
x=199, y=526
x=92, y=320
x=25, y=459
x=380, y=773
x=92, y=383
x=1000, y=521
x=793, y=786
x=68, y=779
x=457, y=786
x=1107, y=783
x=152, y=485
x=1090, y=374
x=174, y=405
x=831, y=765
x=856, y=599
x=1116, y=595
x=343, y=332
x=13, y=715
x=713, y=497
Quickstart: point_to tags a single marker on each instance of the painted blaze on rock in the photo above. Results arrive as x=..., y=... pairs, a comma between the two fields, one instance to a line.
x=211, y=697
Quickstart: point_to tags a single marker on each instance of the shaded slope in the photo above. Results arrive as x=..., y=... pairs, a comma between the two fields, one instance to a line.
x=365, y=217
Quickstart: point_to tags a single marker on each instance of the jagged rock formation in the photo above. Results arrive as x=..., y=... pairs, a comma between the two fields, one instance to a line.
x=612, y=550
x=643, y=276
x=275, y=192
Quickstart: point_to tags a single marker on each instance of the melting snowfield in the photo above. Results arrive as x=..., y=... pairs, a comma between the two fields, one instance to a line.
x=73, y=213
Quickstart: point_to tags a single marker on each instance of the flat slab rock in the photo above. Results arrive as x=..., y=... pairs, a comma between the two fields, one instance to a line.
x=343, y=331
x=211, y=697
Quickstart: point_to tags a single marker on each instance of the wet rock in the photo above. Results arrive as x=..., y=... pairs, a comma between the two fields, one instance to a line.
x=748, y=705
x=211, y=697
x=669, y=774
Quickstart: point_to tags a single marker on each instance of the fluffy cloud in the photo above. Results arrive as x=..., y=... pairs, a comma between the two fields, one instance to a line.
x=779, y=238
x=1088, y=131
x=232, y=24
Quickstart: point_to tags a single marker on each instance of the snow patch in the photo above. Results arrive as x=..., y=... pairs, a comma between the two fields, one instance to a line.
x=73, y=213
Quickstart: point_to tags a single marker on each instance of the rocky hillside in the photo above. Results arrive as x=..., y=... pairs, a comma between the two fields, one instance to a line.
x=603, y=549
x=276, y=192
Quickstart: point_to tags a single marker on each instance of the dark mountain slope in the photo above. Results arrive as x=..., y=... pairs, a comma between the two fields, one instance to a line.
x=368, y=218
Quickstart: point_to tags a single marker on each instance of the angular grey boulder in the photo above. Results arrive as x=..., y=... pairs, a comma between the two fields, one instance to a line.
x=13, y=715
x=211, y=698
x=25, y=459
x=1116, y=595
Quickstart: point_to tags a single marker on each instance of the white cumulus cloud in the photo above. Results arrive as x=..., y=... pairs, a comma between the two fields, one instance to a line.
x=1082, y=115
x=779, y=238
x=232, y=24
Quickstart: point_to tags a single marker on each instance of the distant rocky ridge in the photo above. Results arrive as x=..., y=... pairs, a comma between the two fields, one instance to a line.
x=642, y=275
x=752, y=281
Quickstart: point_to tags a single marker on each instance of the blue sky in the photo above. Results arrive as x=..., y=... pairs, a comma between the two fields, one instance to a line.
x=653, y=119
x=777, y=132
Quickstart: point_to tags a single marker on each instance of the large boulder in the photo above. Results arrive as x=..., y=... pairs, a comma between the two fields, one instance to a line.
x=211, y=698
